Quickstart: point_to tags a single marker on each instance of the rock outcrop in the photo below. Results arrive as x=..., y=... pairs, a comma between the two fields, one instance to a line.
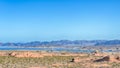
x=109, y=59
x=25, y=54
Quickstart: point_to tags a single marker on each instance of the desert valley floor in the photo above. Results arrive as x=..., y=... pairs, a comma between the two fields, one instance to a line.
x=42, y=59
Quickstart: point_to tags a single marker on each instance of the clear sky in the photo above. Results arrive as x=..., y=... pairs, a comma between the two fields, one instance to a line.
x=46, y=20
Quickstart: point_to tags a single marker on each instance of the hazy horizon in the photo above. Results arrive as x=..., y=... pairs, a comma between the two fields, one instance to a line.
x=47, y=20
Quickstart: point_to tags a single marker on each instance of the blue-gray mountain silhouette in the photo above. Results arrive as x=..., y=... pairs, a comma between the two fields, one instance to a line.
x=66, y=42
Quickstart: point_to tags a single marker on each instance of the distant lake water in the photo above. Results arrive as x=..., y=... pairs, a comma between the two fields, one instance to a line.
x=52, y=49
x=49, y=49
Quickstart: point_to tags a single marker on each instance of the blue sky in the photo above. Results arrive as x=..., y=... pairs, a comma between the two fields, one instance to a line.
x=46, y=20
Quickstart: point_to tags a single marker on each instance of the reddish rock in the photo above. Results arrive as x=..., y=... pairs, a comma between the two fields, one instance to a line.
x=109, y=59
x=25, y=54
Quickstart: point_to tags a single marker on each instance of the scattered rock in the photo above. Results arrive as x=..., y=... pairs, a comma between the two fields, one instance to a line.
x=72, y=60
x=109, y=59
x=76, y=59
x=25, y=54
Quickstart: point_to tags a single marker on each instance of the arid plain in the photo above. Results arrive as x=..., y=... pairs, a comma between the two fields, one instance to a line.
x=42, y=59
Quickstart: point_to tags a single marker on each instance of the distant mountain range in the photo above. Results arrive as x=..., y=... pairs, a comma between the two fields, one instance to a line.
x=66, y=43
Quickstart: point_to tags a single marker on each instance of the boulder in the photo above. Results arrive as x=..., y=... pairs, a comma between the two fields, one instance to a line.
x=109, y=59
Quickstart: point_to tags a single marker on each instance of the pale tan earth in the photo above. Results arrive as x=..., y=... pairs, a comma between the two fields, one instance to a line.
x=33, y=54
x=74, y=60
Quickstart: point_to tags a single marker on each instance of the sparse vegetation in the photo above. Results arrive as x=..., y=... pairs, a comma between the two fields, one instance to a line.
x=55, y=62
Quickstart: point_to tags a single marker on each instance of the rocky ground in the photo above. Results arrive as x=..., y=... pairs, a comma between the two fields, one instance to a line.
x=39, y=59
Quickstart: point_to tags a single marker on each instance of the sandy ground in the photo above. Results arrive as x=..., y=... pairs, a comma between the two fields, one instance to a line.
x=38, y=59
